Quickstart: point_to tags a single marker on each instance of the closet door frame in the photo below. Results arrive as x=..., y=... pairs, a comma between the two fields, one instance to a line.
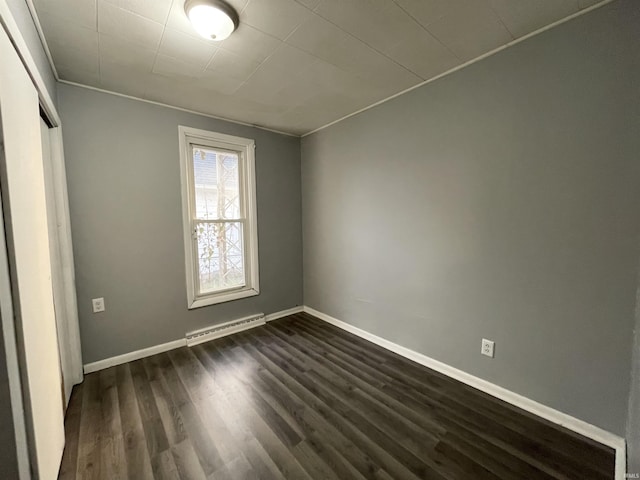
x=18, y=383
x=7, y=314
x=75, y=373
x=34, y=344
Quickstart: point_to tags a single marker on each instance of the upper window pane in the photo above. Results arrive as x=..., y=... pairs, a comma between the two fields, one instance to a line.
x=217, y=180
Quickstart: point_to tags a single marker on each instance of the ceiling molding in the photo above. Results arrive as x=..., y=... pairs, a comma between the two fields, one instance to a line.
x=43, y=40
x=173, y=107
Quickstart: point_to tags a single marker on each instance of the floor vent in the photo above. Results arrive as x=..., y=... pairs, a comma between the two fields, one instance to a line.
x=224, y=329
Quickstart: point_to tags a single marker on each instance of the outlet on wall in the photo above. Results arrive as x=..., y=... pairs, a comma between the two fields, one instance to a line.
x=487, y=347
x=98, y=304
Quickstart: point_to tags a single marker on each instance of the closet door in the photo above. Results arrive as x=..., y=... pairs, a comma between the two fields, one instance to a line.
x=57, y=280
x=25, y=217
x=61, y=252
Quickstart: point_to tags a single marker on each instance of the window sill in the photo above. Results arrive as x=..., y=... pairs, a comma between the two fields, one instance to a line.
x=222, y=297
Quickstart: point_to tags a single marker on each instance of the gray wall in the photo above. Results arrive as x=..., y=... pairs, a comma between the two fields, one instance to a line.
x=124, y=192
x=22, y=16
x=503, y=202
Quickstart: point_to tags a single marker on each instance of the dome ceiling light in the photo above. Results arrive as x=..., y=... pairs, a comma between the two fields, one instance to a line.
x=213, y=19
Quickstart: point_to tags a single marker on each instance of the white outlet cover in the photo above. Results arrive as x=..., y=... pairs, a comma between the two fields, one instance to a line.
x=98, y=304
x=487, y=347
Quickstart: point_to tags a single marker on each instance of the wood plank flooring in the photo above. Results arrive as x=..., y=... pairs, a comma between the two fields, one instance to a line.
x=300, y=399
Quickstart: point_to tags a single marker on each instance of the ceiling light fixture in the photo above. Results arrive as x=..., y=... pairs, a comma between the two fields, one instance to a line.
x=213, y=19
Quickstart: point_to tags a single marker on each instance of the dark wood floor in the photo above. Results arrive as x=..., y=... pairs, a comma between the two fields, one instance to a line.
x=301, y=399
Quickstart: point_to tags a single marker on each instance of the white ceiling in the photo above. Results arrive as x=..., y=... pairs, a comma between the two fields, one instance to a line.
x=292, y=65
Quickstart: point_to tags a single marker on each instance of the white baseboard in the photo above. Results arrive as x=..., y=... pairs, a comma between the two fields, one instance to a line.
x=548, y=413
x=283, y=313
x=543, y=411
x=135, y=355
x=165, y=347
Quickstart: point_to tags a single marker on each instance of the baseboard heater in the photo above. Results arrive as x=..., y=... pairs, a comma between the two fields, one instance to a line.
x=222, y=330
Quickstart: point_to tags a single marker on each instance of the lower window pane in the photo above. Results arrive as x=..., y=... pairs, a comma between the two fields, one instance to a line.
x=220, y=256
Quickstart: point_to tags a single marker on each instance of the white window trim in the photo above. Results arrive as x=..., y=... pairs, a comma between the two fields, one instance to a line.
x=246, y=147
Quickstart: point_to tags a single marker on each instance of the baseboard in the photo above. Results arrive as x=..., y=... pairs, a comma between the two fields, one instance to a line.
x=283, y=313
x=543, y=411
x=165, y=347
x=135, y=355
x=579, y=426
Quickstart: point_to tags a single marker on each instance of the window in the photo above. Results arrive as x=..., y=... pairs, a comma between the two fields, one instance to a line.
x=219, y=216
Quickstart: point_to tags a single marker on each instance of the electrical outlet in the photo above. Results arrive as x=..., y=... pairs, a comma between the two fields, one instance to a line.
x=487, y=347
x=98, y=304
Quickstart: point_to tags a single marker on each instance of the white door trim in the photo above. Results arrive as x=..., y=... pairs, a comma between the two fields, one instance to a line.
x=60, y=186
x=7, y=316
x=27, y=236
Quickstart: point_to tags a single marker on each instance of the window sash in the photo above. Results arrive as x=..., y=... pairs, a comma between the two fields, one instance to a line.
x=198, y=293
x=192, y=139
x=197, y=273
